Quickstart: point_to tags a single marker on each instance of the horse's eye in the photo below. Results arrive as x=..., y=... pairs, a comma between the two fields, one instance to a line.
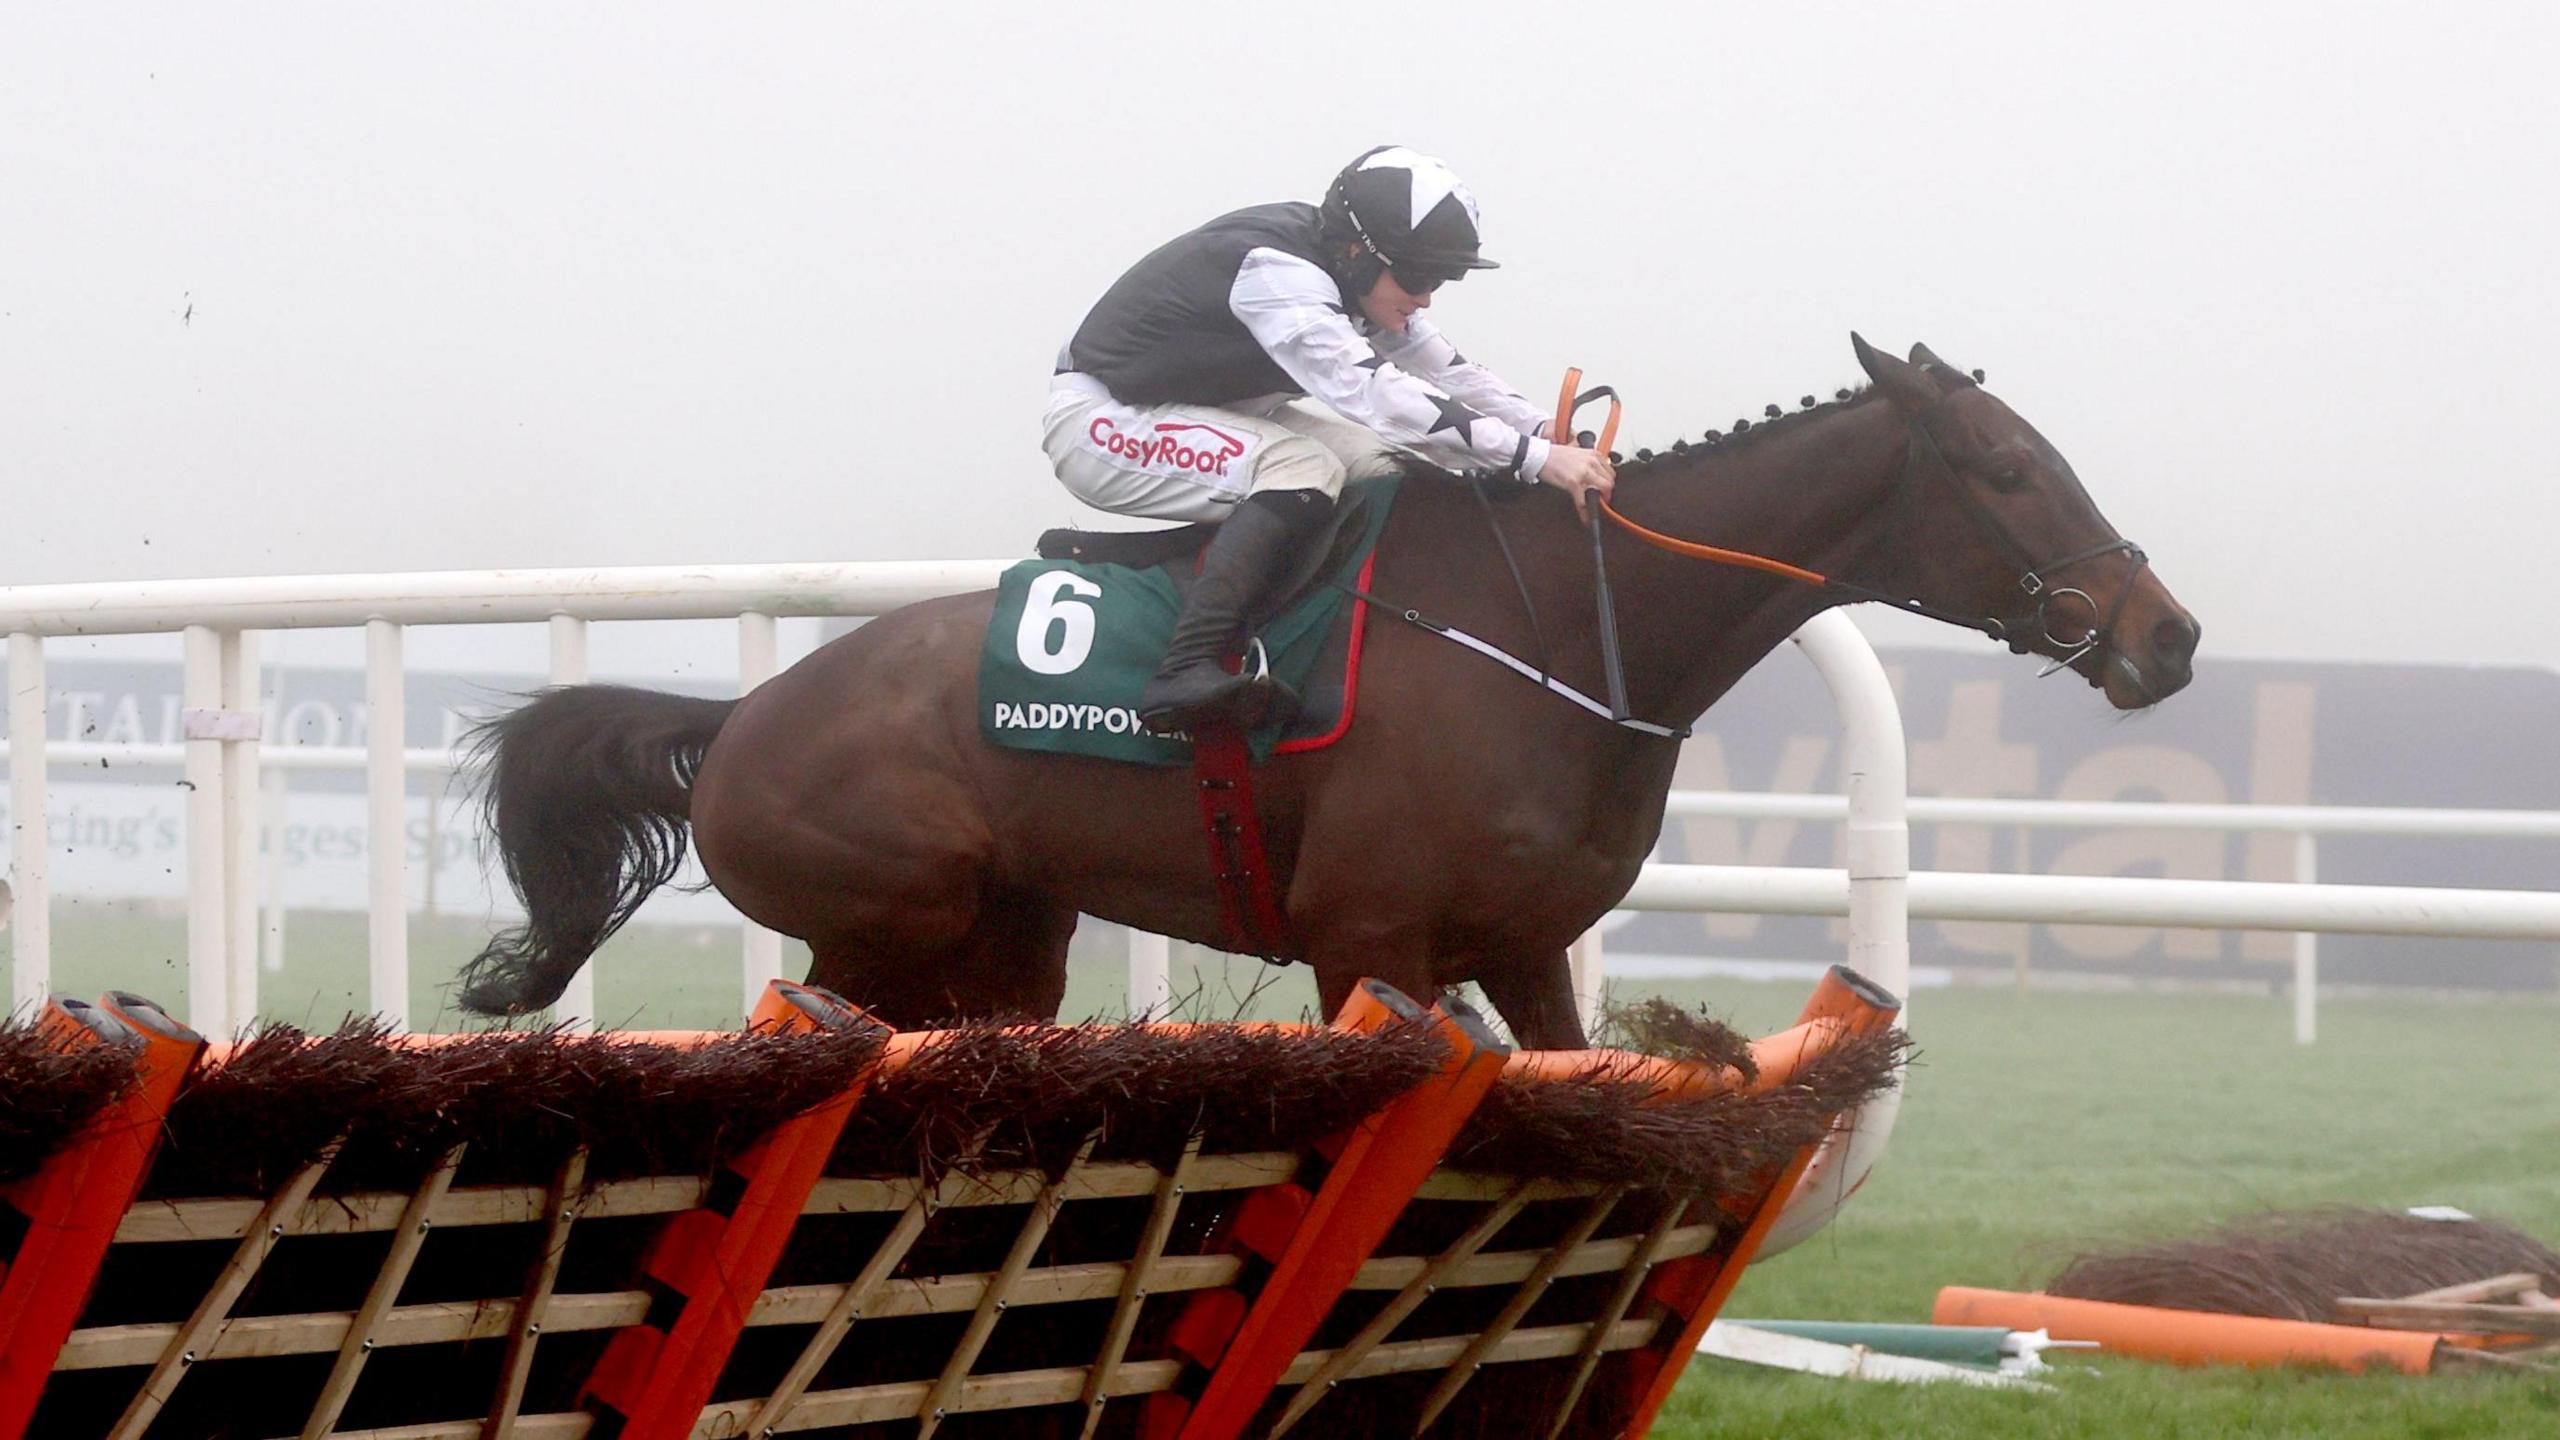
x=2008, y=477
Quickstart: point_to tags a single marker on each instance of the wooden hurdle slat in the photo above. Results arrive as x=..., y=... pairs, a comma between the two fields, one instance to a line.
x=1133, y=1286
x=525, y=1331
x=368, y=1212
x=198, y=1337
x=709, y=1266
x=1648, y=1252
x=1509, y=1267
x=991, y=1305
x=841, y=1316
x=1420, y=1288
x=168, y=1222
x=358, y=1346
x=1023, y=1389
x=1543, y=1342
x=441, y=1322
x=1532, y=1289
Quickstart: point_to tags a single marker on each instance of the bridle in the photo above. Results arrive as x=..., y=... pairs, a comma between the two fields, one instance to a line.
x=2035, y=618
x=2020, y=630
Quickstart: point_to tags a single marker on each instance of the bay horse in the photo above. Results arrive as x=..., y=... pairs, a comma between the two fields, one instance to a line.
x=1468, y=826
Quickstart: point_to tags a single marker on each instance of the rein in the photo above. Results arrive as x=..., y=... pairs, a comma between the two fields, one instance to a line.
x=2018, y=631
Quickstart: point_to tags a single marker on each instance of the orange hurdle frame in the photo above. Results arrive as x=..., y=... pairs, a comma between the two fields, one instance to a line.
x=1693, y=1289
x=1316, y=1243
x=706, y=1268
x=75, y=1201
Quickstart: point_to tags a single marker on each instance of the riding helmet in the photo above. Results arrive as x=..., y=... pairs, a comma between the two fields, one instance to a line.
x=1405, y=209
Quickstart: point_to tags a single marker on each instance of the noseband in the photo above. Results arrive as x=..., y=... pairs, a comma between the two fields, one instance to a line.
x=2034, y=619
x=2020, y=630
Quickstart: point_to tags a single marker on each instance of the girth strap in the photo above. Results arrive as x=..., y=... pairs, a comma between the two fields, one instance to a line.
x=1247, y=907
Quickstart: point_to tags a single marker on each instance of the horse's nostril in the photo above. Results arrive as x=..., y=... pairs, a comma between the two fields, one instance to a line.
x=2174, y=638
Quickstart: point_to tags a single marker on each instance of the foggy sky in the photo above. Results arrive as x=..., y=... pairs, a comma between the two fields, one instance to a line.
x=482, y=286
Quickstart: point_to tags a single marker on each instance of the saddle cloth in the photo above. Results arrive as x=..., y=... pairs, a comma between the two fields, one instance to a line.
x=1074, y=639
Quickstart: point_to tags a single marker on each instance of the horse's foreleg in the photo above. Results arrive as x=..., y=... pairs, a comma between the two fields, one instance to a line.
x=1535, y=995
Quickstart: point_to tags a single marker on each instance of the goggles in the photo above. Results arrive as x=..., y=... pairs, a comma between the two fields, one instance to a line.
x=1420, y=279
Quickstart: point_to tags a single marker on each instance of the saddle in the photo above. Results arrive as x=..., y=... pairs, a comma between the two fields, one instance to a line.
x=1177, y=549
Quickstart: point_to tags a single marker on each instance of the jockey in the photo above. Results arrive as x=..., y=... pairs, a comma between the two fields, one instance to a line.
x=1188, y=393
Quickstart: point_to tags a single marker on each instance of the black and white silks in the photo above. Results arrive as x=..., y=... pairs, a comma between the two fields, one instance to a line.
x=1245, y=307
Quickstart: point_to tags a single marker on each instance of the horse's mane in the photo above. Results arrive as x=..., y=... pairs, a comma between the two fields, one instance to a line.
x=1745, y=434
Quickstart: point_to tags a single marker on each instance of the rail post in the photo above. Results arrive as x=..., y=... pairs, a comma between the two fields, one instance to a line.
x=1150, y=975
x=243, y=733
x=759, y=659
x=2306, y=947
x=386, y=811
x=30, y=910
x=1879, y=856
x=222, y=724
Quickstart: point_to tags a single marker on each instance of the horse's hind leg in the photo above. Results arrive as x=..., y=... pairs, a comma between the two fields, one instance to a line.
x=1011, y=963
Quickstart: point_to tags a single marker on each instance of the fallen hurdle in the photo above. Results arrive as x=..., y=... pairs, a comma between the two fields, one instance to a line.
x=1390, y=1225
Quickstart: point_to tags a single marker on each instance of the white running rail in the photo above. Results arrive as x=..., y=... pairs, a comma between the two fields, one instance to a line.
x=220, y=620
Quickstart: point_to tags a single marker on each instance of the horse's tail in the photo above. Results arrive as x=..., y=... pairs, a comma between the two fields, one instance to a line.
x=587, y=790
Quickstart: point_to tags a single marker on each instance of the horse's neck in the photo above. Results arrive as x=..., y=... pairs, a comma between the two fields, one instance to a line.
x=1813, y=497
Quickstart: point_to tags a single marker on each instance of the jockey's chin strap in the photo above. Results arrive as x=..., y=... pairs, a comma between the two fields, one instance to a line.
x=2033, y=621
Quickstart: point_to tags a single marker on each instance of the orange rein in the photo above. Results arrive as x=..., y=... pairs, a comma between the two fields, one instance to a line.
x=1562, y=433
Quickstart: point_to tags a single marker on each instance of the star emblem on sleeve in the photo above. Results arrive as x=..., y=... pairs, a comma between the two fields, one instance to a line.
x=1454, y=416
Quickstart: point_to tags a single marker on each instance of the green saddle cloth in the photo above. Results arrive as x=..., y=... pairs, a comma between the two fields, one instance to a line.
x=1071, y=645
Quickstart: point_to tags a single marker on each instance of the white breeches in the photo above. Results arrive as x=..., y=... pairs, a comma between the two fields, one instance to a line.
x=1194, y=462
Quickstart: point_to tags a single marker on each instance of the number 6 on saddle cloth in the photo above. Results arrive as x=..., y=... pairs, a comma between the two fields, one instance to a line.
x=1075, y=635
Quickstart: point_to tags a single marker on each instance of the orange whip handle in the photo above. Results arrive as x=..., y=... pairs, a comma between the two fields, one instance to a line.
x=1571, y=400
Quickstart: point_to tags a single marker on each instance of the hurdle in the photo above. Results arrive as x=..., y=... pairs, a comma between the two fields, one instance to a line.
x=1191, y=1230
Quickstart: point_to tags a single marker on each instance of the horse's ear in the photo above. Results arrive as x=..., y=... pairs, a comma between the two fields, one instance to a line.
x=1945, y=374
x=1907, y=385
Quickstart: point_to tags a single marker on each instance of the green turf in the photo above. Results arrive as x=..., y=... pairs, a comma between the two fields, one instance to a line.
x=2035, y=1125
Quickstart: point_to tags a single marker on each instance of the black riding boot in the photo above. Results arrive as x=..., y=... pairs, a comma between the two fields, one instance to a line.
x=1253, y=552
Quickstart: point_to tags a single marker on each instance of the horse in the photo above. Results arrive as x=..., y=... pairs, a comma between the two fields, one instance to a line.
x=1467, y=826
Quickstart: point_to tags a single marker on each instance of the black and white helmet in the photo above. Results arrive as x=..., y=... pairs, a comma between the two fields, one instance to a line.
x=1408, y=211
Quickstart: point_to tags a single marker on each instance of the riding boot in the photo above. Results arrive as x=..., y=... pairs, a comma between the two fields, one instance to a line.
x=1254, y=550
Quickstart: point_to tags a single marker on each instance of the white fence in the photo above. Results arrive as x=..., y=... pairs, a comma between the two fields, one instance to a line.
x=2096, y=900
x=220, y=620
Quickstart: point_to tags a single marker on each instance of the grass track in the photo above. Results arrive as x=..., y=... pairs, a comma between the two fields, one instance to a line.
x=2036, y=1125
